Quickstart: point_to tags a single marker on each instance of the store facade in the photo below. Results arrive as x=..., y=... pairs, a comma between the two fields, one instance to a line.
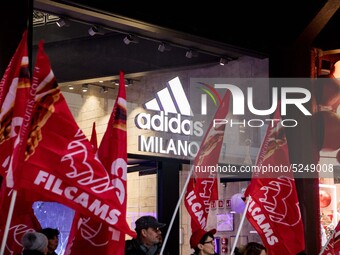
x=153, y=162
x=158, y=171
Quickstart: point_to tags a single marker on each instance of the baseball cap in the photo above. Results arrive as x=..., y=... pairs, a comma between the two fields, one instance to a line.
x=197, y=236
x=148, y=222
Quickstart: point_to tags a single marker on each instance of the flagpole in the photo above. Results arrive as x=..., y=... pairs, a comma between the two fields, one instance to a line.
x=329, y=239
x=8, y=222
x=176, y=209
x=240, y=226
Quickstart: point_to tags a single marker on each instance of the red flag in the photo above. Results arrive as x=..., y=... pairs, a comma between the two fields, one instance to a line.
x=23, y=220
x=56, y=160
x=16, y=75
x=114, y=159
x=13, y=95
x=93, y=139
x=202, y=188
x=333, y=245
x=13, y=69
x=75, y=243
x=93, y=236
x=77, y=223
x=274, y=207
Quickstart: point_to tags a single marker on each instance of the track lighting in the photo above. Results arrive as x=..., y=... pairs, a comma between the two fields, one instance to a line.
x=164, y=47
x=85, y=87
x=191, y=53
x=104, y=89
x=130, y=39
x=128, y=82
x=94, y=30
x=188, y=54
x=222, y=61
x=63, y=22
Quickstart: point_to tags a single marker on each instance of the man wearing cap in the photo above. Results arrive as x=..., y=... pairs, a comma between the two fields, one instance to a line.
x=203, y=242
x=149, y=237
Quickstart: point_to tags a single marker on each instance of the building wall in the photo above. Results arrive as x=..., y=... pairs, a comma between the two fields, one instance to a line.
x=95, y=106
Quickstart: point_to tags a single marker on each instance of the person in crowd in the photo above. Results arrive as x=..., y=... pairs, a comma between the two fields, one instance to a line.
x=52, y=235
x=149, y=237
x=34, y=243
x=253, y=248
x=203, y=242
x=239, y=250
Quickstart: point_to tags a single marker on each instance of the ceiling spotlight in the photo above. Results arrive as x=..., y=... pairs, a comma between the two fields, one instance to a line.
x=128, y=82
x=94, y=30
x=62, y=22
x=85, y=87
x=130, y=39
x=70, y=87
x=164, y=47
x=188, y=54
x=104, y=89
x=191, y=53
x=222, y=61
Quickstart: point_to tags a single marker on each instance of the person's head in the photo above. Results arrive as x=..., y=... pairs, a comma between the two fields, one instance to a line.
x=52, y=235
x=148, y=230
x=254, y=248
x=203, y=242
x=34, y=241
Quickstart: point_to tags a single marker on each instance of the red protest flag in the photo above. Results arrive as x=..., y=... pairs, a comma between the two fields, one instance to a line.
x=13, y=69
x=23, y=220
x=16, y=78
x=202, y=187
x=14, y=88
x=93, y=236
x=93, y=138
x=75, y=243
x=112, y=152
x=274, y=207
x=56, y=160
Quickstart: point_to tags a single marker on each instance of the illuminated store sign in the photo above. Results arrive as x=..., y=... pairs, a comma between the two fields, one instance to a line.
x=174, y=117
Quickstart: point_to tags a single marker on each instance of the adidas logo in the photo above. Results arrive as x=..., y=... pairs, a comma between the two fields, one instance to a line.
x=171, y=105
x=171, y=99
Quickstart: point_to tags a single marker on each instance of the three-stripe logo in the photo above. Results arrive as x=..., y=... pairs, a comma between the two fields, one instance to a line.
x=171, y=99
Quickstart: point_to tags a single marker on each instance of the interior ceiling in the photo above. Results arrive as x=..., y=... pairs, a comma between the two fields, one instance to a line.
x=253, y=28
x=256, y=25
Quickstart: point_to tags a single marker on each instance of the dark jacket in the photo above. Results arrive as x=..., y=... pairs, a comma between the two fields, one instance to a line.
x=32, y=252
x=134, y=247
